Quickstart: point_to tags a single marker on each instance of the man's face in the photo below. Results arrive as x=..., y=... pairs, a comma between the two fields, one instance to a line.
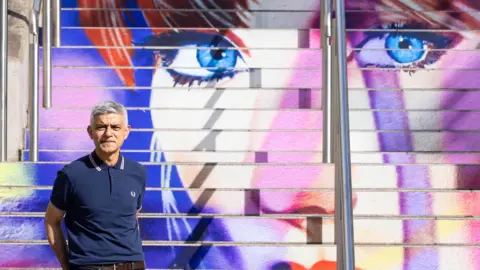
x=108, y=132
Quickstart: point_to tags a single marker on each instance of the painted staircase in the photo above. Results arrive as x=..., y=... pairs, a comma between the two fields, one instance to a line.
x=235, y=173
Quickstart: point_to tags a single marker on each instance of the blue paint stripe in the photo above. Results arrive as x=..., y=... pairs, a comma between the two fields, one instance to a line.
x=33, y=256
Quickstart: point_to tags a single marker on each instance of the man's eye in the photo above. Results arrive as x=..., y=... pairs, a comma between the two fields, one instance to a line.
x=401, y=50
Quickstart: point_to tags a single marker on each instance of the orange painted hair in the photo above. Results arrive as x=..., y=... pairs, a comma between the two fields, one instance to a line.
x=107, y=28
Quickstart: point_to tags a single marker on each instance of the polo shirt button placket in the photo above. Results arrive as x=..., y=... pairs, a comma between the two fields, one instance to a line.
x=111, y=179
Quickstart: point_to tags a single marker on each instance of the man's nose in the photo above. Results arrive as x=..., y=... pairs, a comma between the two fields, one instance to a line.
x=312, y=189
x=108, y=132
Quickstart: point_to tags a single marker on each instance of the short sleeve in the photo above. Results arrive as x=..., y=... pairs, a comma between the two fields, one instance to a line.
x=61, y=191
x=142, y=193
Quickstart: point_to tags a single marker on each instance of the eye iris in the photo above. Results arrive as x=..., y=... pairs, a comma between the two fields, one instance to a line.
x=217, y=59
x=412, y=48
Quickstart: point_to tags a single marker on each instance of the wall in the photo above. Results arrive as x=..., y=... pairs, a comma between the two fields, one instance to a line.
x=17, y=95
x=247, y=121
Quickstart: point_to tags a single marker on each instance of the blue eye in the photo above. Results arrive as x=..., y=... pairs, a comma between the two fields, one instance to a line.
x=217, y=59
x=387, y=49
x=200, y=57
x=404, y=49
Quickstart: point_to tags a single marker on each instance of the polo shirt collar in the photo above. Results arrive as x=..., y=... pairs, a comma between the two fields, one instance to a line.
x=100, y=165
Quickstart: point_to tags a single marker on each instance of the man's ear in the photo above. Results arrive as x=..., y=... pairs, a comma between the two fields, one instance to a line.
x=90, y=132
x=127, y=131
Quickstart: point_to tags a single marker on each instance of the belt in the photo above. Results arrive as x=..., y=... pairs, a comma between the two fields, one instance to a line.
x=118, y=266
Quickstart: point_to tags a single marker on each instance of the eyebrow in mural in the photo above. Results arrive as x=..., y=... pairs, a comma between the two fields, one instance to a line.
x=443, y=14
x=110, y=26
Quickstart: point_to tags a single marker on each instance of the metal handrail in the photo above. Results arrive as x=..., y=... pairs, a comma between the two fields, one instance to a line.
x=327, y=108
x=33, y=82
x=48, y=24
x=3, y=79
x=57, y=20
x=336, y=133
x=343, y=183
x=47, y=53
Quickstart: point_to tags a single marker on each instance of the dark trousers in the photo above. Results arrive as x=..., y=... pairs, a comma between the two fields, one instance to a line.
x=117, y=266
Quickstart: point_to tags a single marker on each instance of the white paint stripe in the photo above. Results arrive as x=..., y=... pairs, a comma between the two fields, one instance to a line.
x=94, y=163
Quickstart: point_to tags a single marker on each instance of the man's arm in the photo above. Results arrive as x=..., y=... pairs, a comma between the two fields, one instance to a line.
x=138, y=223
x=142, y=193
x=56, y=239
x=59, y=203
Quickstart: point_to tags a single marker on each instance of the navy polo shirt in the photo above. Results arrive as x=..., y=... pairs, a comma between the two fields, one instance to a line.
x=101, y=203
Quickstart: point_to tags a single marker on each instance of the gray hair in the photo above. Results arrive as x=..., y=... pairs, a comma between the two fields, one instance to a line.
x=108, y=107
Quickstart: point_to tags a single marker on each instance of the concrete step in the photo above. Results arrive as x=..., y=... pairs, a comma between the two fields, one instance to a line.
x=267, y=38
x=292, y=119
x=63, y=77
x=228, y=98
x=277, y=19
x=285, y=5
x=231, y=140
x=368, y=230
x=365, y=176
x=160, y=256
x=268, y=60
x=270, y=157
x=375, y=204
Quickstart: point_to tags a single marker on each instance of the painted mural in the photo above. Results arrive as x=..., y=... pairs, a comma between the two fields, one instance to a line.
x=224, y=98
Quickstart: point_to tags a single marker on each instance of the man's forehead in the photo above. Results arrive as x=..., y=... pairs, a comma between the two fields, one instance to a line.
x=111, y=118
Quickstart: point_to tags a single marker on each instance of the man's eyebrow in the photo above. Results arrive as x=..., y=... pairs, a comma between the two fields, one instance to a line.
x=103, y=125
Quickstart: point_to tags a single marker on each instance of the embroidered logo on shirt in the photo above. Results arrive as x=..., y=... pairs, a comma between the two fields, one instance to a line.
x=132, y=193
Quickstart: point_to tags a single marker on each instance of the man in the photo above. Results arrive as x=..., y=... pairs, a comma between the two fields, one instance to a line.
x=100, y=195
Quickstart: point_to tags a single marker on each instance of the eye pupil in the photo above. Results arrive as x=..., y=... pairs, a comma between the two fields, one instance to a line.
x=405, y=44
x=218, y=54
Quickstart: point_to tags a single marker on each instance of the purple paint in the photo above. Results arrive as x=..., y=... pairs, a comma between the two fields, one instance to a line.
x=261, y=157
x=305, y=98
x=410, y=204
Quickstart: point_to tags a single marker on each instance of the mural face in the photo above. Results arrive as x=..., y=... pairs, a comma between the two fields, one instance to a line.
x=225, y=108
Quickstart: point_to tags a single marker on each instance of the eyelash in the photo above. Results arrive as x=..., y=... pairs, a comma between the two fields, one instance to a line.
x=428, y=41
x=206, y=51
x=185, y=79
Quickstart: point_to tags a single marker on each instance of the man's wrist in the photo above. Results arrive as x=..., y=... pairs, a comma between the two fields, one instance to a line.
x=65, y=266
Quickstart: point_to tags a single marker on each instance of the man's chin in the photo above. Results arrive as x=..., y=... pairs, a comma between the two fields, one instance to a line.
x=108, y=150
